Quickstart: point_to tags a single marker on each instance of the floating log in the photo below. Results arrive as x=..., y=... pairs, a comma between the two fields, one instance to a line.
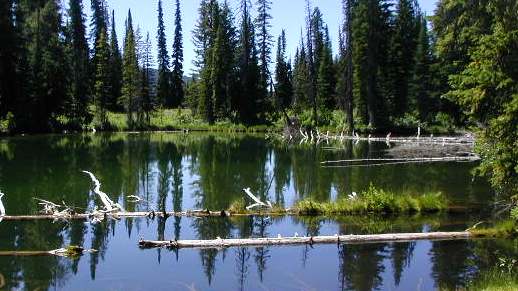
x=279, y=241
x=69, y=251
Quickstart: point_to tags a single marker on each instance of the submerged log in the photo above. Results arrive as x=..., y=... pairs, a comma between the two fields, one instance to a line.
x=279, y=241
x=69, y=251
x=203, y=213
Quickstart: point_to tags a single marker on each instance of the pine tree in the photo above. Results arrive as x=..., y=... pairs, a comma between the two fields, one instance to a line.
x=301, y=82
x=115, y=68
x=9, y=54
x=264, y=42
x=177, y=85
x=78, y=51
x=310, y=63
x=146, y=102
x=283, y=77
x=421, y=86
x=46, y=75
x=347, y=64
x=326, y=75
x=370, y=29
x=130, y=73
x=248, y=67
x=402, y=53
x=204, y=38
x=102, y=84
x=163, y=83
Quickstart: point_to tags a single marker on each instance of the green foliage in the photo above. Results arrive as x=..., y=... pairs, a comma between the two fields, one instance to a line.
x=487, y=90
x=506, y=228
x=376, y=201
x=514, y=213
x=495, y=279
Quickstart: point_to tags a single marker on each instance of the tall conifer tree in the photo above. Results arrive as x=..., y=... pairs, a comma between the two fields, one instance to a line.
x=78, y=53
x=177, y=85
x=115, y=67
x=163, y=84
x=130, y=73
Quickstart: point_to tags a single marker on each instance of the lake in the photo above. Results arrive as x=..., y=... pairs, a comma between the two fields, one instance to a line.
x=176, y=171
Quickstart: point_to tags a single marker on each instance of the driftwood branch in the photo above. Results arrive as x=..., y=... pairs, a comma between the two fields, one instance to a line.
x=257, y=201
x=278, y=241
x=2, y=208
x=109, y=205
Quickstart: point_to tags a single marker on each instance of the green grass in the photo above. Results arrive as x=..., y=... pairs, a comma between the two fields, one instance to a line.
x=506, y=228
x=375, y=201
x=494, y=280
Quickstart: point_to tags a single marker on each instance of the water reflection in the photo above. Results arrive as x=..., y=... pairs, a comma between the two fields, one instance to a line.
x=176, y=171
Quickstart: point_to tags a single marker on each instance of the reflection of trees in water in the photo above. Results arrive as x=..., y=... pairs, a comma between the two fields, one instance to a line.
x=50, y=167
x=242, y=257
x=452, y=263
x=361, y=266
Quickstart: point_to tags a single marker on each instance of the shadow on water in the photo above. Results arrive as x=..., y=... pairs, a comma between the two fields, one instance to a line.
x=198, y=171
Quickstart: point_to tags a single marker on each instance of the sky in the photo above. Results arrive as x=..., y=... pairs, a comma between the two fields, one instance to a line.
x=287, y=14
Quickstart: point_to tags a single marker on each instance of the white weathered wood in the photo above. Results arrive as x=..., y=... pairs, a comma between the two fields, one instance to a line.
x=109, y=205
x=434, y=159
x=278, y=241
x=2, y=208
x=257, y=201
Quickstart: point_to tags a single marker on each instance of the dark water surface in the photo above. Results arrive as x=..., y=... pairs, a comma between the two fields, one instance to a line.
x=197, y=171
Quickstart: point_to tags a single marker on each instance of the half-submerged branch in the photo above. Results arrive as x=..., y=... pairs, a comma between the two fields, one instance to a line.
x=68, y=252
x=279, y=241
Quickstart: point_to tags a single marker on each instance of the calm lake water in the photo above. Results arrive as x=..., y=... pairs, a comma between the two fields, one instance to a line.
x=174, y=171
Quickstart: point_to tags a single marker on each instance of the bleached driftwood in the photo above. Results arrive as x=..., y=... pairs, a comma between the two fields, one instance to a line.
x=410, y=160
x=295, y=240
x=70, y=251
x=109, y=205
x=2, y=208
x=257, y=201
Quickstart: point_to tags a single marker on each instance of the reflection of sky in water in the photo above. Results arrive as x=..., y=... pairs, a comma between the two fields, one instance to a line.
x=206, y=171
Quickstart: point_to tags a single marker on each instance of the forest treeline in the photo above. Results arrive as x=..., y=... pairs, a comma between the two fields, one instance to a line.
x=395, y=67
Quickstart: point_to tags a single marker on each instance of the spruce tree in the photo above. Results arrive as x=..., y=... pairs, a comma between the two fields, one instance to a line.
x=301, y=99
x=102, y=84
x=177, y=86
x=45, y=50
x=163, y=84
x=310, y=63
x=326, y=75
x=421, y=86
x=130, y=73
x=78, y=52
x=402, y=53
x=115, y=68
x=146, y=102
x=10, y=49
x=370, y=26
x=249, y=72
x=264, y=42
x=283, y=77
x=347, y=65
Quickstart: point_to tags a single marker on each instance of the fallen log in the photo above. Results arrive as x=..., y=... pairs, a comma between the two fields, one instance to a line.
x=279, y=241
x=203, y=213
x=68, y=252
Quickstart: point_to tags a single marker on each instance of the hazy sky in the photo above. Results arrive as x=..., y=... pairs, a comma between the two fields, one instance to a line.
x=287, y=14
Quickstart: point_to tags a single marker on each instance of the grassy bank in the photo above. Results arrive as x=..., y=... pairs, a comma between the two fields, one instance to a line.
x=371, y=201
x=495, y=280
x=375, y=201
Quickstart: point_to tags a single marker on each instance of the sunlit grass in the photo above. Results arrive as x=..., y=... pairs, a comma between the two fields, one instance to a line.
x=495, y=280
x=375, y=201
